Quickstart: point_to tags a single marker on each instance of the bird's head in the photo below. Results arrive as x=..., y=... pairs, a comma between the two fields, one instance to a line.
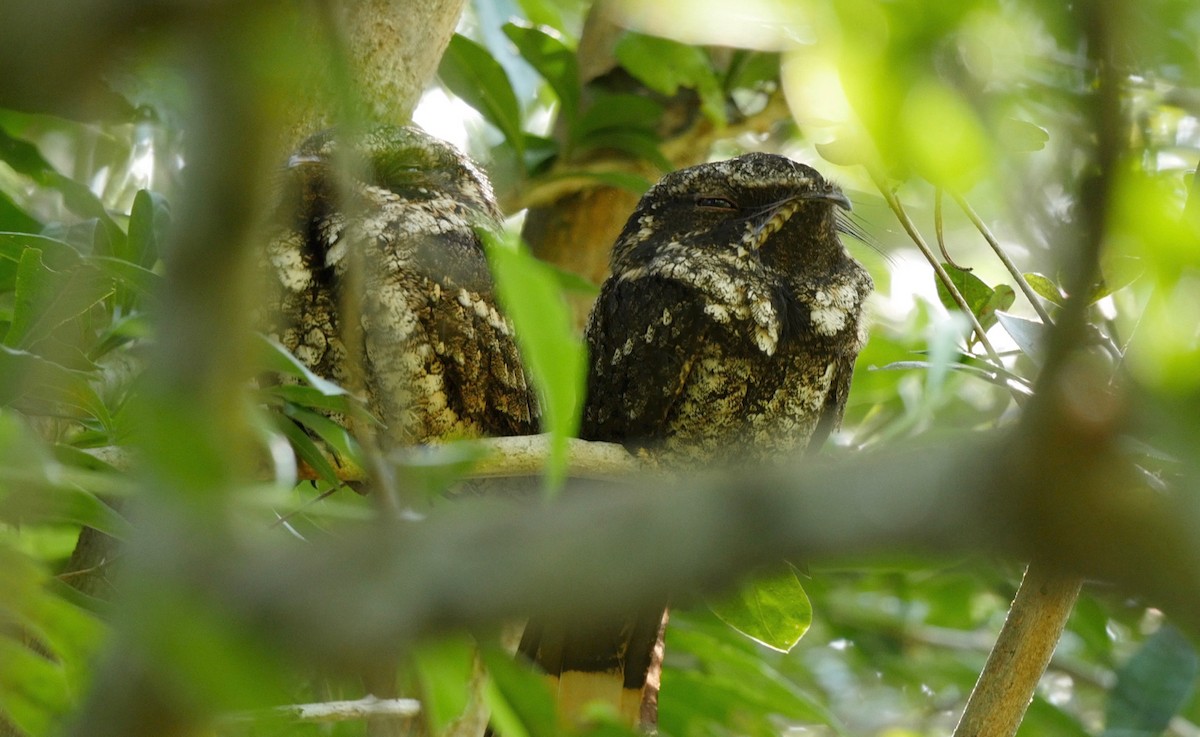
x=400, y=161
x=759, y=206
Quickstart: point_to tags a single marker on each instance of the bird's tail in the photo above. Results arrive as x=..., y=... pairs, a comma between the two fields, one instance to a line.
x=600, y=666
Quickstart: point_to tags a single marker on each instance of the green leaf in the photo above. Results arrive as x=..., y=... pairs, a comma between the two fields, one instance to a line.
x=772, y=609
x=334, y=435
x=274, y=357
x=1153, y=686
x=520, y=701
x=610, y=112
x=469, y=71
x=148, y=222
x=22, y=372
x=1002, y=298
x=664, y=66
x=306, y=448
x=443, y=666
x=974, y=291
x=553, y=60
x=56, y=253
x=553, y=354
x=13, y=217
x=1044, y=287
x=46, y=299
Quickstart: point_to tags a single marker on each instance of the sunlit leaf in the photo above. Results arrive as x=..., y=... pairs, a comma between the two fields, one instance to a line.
x=553, y=60
x=1029, y=335
x=1044, y=287
x=470, y=72
x=772, y=609
x=665, y=65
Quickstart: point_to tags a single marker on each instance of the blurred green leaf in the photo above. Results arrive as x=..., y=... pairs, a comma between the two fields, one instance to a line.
x=443, y=667
x=14, y=218
x=307, y=449
x=1044, y=287
x=639, y=144
x=771, y=609
x=334, y=435
x=665, y=65
x=470, y=72
x=521, y=704
x=553, y=60
x=553, y=354
x=1152, y=686
x=1021, y=135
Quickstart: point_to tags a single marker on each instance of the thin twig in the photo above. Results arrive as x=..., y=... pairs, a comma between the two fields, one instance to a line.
x=986, y=232
x=910, y=228
x=938, y=193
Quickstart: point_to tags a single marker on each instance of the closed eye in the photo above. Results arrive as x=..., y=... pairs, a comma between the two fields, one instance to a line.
x=709, y=202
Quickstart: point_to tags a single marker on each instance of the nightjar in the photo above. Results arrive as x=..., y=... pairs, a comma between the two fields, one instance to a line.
x=725, y=335
x=383, y=284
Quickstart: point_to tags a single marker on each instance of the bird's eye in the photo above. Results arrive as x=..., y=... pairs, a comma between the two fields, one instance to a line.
x=710, y=202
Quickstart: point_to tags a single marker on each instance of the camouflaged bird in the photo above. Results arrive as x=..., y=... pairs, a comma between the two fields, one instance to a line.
x=396, y=243
x=726, y=334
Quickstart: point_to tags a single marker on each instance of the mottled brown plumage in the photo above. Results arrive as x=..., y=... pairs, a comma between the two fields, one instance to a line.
x=726, y=335
x=397, y=244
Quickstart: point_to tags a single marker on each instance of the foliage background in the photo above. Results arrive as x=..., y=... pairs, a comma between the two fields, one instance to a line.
x=106, y=184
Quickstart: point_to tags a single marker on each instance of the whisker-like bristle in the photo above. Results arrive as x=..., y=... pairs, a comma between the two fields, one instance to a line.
x=848, y=224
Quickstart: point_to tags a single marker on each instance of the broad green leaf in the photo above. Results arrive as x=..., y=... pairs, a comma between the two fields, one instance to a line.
x=1002, y=298
x=772, y=609
x=56, y=253
x=22, y=372
x=1153, y=685
x=664, y=66
x=334, y=435
x=620, y=112
x=148, y=222
x=470, y=72
x=972, y=288
x=313, y=398
x=46, y=299
x=1044, y=287
x=553, y=354
x=552, y=59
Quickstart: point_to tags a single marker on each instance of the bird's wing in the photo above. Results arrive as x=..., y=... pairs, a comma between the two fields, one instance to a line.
x=835, y=402
x=643, y=338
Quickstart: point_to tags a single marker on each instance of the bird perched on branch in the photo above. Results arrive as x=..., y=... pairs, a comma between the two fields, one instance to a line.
x=384, y=284
x=726, y=334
